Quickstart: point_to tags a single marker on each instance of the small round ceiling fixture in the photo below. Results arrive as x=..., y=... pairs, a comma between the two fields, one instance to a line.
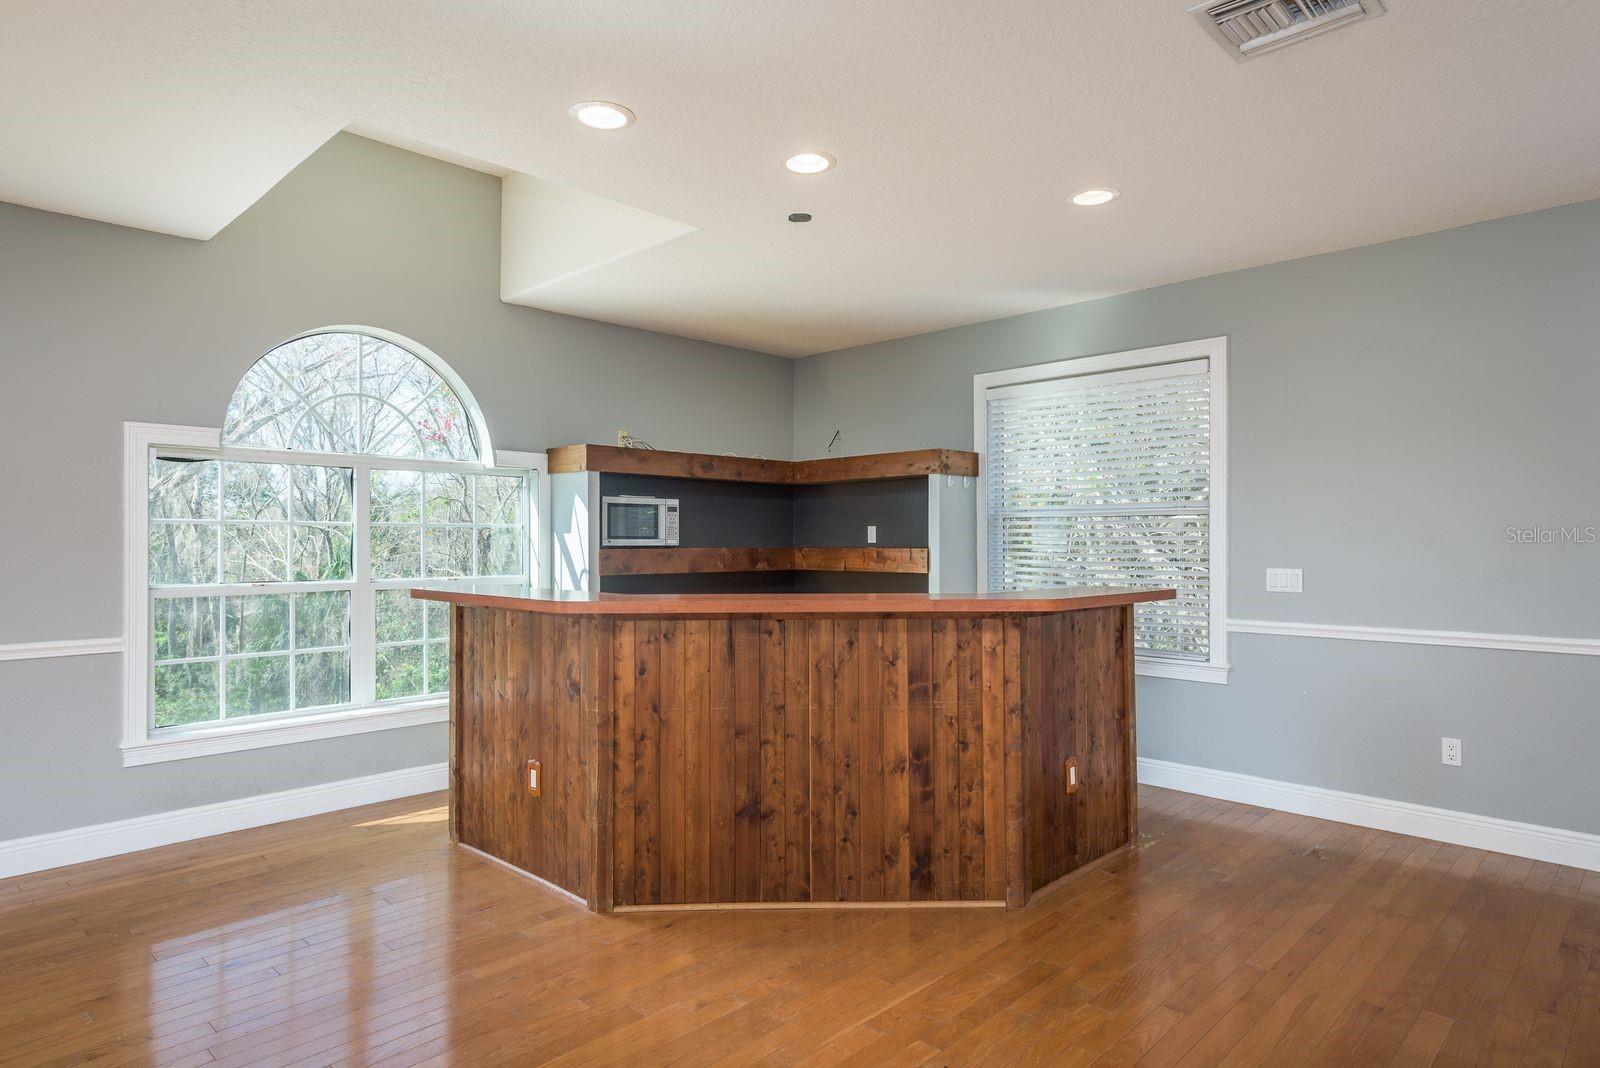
x=810, y=163
x=1093, y=198
x=602, y=115
x=800, y=216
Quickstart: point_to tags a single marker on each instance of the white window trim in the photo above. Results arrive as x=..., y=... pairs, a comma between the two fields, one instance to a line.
x=139, y=745
x=1215, y=351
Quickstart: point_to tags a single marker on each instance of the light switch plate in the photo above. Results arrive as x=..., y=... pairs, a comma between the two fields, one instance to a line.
x=1285, y=580
x=872, y=535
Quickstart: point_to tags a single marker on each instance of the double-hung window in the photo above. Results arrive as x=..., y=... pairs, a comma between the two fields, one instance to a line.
x=271, y=563
x=1110, y=470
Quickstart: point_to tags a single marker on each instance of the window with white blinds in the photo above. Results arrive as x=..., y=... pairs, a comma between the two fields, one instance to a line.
x=1104, y=477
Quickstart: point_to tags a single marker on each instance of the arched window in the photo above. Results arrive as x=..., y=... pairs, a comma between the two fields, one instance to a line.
x=351, y=466
x=360, y=393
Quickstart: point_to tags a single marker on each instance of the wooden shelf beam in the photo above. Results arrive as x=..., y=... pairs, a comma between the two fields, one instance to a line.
x=913, y=464
x=685, y=561
x=662, y=463
x=880, y=561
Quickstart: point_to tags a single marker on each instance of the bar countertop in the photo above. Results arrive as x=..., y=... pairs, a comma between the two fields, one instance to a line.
x=565, y=602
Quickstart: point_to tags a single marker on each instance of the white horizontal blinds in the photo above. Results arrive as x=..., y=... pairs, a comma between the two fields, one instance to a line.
x=1104, y=479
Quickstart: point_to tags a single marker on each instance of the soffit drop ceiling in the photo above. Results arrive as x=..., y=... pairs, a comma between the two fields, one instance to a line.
x=961, y=130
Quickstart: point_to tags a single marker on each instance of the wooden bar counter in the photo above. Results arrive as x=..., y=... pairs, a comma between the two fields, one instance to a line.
x=804, y=750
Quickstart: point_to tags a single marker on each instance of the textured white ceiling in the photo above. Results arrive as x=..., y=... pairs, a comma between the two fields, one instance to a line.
x=961, y=129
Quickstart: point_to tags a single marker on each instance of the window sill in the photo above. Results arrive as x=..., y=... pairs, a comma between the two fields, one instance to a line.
x=236, y=737
x=1177, y=669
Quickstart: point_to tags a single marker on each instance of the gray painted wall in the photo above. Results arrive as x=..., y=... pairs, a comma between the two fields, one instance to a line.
x=101, y=324
x=1393, y=409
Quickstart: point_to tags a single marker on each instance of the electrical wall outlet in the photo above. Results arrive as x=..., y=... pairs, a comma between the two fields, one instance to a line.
x=622, y=439
x=1284, y=580
x=872, y=535
x=1450, y=751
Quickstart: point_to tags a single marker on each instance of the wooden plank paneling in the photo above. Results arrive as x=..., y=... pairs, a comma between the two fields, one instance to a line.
x=1102, y=775
x=723, y=769
x=846, y=759
x=512, y=662
x=1014, y=685
x=595, y=759
x=796, y=760
x=647, y=761
x=1074, y=685
x=969, y=747
x=769, y=746
x=673, y=772
x=1129, y=721
x=993, y=719
x=572, y=769
x=823, y=827
x=697, y=759
x=547, y=841
x=896, y=771
x=456, y=673
x=746, y=758
x=625, y=755
x=787, y=759
x=870, y=784
x=1052, y=738
x=921, y=758
x=519, y=696
x=945, y=694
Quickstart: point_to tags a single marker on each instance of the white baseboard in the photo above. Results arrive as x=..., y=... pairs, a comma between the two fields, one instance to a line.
x=20, y=856
x=1573, y=848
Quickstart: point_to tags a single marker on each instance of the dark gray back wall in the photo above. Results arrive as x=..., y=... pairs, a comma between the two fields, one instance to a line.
x=1393, y=410
x=101, y=324
x=710, y=515
x=749, y=514
x=840, y=514
x=715, y=514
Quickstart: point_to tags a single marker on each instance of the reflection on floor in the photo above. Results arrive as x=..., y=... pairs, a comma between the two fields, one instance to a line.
x=1231, y=932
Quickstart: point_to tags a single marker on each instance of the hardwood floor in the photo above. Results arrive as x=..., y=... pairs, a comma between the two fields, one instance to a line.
x=1230, y=935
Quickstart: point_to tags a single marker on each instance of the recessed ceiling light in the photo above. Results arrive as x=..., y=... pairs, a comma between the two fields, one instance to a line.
x=1091, y=198
x=602, y=115
x=810, y=162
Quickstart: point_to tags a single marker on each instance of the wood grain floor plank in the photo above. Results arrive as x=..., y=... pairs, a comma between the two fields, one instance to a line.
x=1229, y=934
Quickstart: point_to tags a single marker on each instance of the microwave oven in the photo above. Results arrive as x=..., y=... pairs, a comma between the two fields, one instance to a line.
x=638, y=521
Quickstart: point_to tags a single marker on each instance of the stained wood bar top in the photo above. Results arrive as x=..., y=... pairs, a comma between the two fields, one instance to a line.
x=703, y=605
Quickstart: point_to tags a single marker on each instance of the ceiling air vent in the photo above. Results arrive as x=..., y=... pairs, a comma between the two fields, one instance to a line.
x=1250, y=27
